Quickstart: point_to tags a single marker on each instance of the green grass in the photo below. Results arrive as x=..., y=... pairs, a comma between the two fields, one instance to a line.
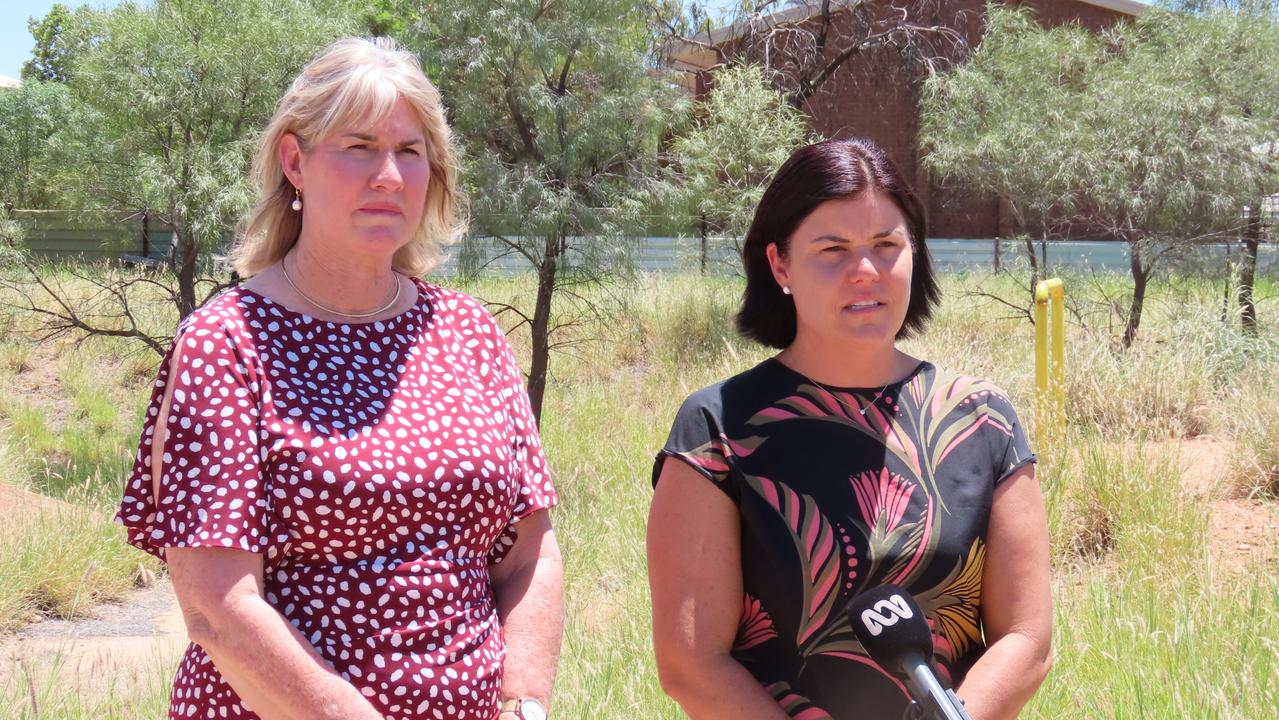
x=60, y=563
x=1146, y=625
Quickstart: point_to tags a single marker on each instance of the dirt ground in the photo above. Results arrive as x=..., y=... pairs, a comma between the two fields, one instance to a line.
x=122, y=644
x=133, y=643
x=1243, y=532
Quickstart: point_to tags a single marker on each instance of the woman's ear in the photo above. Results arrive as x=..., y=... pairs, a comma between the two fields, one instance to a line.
x=291, y=159
x=777, y=264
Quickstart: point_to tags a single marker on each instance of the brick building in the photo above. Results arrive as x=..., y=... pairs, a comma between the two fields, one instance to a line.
x=838, y=109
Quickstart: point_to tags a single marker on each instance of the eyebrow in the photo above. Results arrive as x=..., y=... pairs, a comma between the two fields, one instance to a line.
x=876, y=236
x=373, y=138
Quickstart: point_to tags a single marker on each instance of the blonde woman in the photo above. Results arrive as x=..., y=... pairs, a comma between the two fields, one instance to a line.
x=339, y=462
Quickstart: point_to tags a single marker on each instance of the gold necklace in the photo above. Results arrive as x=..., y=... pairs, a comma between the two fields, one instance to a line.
x=394, y=298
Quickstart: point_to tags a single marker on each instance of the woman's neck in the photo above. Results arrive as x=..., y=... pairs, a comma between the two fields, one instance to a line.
x=859, y=367
x=345, y=284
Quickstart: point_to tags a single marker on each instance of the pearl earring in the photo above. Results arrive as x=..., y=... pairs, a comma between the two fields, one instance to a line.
x=786, y=289
x=297, y=200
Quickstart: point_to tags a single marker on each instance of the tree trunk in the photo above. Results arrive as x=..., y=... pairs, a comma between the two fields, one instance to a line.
x=1034, y=263
x=1140, y=276
x=997, y=244
x=184, y=262
x=541, y=326
x=1248, y=271
x=701, y=226
x=1229, y=285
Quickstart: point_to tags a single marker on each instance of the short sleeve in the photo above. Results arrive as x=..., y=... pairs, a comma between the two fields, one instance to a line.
x=1009, y=446
x=211, y=491
x=535, y=490
x=697, y=439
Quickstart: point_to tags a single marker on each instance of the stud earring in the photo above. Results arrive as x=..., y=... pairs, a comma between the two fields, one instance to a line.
x=786, y=289
x=297, y=200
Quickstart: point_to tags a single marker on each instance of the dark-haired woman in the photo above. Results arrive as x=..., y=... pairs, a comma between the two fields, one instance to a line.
x=841, y=464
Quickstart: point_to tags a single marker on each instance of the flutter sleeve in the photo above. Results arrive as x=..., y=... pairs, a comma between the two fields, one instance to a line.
x=534, y=489
x=211, y=490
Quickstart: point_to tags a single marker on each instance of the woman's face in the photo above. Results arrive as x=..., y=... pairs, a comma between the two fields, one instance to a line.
x=848, y=268
x=365, y=185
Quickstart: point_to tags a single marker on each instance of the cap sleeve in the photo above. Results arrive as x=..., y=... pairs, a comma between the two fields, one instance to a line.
x=1009, y=446
x=532, y=476
x=211, y=491
x=697, y=439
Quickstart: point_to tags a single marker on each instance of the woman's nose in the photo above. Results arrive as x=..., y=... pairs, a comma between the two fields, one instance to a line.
x=388, y=175
x=862, y=267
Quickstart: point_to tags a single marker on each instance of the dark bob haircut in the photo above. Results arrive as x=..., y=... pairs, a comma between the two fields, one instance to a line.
x=812, y=175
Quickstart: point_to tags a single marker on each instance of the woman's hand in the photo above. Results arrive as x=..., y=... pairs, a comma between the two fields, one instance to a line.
x=694, y=571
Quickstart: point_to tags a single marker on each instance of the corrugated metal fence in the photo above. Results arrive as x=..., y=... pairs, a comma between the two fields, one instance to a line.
x=63, y=235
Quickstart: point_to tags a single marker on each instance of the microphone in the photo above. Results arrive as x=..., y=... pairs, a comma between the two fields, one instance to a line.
x=892, y=628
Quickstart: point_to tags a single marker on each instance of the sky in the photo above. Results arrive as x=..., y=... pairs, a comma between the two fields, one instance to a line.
x=15, y=40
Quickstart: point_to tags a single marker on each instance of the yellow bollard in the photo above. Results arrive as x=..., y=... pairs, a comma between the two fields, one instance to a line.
x=1050, y=396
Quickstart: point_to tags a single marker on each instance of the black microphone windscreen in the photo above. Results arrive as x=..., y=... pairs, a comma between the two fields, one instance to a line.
x=891, y=626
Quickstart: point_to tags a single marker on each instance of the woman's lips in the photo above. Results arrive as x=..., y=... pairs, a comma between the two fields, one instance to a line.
x=876, y=305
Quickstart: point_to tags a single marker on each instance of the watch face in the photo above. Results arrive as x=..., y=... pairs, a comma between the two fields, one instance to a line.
x=532, y=710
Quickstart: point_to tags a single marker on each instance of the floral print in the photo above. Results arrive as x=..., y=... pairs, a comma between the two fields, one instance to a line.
x=839, y=491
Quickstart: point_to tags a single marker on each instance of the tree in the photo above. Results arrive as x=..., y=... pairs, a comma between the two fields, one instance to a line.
x=36, y=120
x=1248, y=20
x=558, y=119
x=181, y=86
x=1144, y=132
x=741, y=132
x=379, y=18
x=803, y=44
x=60, y=39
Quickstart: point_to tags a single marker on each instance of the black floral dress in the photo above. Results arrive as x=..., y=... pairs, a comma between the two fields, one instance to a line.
x=843, y=489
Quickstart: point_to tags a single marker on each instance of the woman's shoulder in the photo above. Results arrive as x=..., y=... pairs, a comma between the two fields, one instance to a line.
x=750, y=388
x=454, y=307
x=933, y=384
x=228, y=311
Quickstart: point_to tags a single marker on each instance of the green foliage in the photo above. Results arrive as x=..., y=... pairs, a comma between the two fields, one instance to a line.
x=557, y=116
x=60, y=39
x=38, y=120
x=1145, y=133
x=1147, y=129
x=742, y=132
x=378, y=18
x=558, y=120
x=181, y=86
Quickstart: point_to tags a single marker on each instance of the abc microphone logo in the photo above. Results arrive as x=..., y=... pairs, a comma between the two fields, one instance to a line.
x=885, y=613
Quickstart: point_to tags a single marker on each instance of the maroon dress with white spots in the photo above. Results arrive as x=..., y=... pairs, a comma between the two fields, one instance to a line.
x=380, y=468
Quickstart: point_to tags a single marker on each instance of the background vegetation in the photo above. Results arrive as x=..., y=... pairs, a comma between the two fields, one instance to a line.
x=1159, y=613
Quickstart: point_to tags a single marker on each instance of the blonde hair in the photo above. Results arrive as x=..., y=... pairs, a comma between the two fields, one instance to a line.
x=353, y=80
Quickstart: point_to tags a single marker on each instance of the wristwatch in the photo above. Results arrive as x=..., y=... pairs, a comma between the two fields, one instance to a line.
x=525, y=708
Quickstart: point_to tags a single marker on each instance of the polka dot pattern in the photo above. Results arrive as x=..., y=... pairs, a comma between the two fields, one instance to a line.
x=380, y=468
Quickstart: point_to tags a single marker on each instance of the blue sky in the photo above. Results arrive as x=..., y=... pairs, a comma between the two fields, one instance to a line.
x=15, y=40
